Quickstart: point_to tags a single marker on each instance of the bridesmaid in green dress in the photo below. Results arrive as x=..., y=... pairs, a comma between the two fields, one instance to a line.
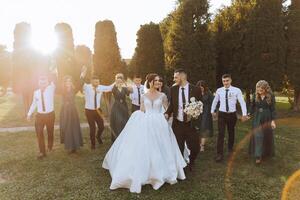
x=264, y=113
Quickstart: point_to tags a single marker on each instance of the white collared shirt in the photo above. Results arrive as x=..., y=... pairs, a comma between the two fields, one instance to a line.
x=134, y=96
x=89, y=95
x=48, y=94
x=234, y=95
x=180, y=116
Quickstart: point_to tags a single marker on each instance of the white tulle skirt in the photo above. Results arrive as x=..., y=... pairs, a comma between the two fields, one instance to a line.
x=146, y=152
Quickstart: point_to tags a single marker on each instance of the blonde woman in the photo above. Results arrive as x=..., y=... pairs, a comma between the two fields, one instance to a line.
x=119, y=112
x=263, y=124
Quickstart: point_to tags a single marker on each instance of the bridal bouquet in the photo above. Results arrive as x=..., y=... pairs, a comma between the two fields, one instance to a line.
x=193, y=109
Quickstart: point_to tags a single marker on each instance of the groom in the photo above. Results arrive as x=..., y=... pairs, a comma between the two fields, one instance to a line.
x=181, y=93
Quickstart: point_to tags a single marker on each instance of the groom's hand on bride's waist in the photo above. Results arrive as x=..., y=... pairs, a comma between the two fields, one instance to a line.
x=166, y=116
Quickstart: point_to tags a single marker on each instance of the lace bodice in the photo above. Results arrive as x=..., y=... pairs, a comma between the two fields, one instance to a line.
x=156, y=105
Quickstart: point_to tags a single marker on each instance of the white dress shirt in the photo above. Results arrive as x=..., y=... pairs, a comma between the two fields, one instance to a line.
x=89, y=95
x=180, y=116
x=134, y=96
x=48, y=96
x=234, y=95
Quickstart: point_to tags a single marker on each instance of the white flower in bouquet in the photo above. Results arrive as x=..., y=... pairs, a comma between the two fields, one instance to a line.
x=194, y=109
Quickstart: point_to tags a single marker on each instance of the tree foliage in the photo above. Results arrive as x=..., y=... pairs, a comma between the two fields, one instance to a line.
x=64, y=55
x=188, y=41
x=293, y=56
x=107, y=59
x=149, y=53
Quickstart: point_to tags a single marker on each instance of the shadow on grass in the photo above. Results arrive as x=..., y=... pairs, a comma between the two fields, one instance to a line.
x=80, y=176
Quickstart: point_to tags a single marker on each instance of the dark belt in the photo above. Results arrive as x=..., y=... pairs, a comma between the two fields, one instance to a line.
x=261, y=109
x=120, y=101
x=227, y=113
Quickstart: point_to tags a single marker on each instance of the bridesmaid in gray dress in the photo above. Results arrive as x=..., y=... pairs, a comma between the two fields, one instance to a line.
x=204, y=124
x=119, y=112
x=70, y=131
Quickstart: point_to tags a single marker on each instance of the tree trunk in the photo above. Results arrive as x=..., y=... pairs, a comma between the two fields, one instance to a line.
x=297, y=99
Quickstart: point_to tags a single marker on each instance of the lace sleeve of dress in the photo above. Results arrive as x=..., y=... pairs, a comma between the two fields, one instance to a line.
x=165, y=101
x=142, y=107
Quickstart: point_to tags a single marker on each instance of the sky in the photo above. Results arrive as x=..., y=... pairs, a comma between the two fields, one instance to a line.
x=82, y=15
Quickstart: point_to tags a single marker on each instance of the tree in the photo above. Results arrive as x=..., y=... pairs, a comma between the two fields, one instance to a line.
x=24, y=64
x=251, y=42
x=149, y=53
x=83, y=57
x=5, y=68
x=293, y=55
x=189, y=42
x=64, y=56
x=107, y=59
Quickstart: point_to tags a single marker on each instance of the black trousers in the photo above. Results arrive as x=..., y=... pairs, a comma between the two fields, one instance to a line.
x=94, y=118
x=134, y=108
x=42, y=120
x=226, y=120
x=184, y=132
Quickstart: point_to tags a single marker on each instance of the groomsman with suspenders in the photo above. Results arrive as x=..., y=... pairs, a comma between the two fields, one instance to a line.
x=227, y=96
x=92, y=94
x=43, y=100
x=138, y=91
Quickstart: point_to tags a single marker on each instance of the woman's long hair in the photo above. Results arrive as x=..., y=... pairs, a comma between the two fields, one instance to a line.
x=265, y=86
x=203, y=84
x=149, y=79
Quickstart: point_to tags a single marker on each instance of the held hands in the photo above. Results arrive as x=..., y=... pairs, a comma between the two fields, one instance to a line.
x=28, y=118
x=215, y=117
x=245, y=118
x=166, y=116
x=273, y=124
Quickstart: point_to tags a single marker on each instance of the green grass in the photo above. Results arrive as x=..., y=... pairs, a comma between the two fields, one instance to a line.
x=12, y=112
x=80, y=176
x=64, y=176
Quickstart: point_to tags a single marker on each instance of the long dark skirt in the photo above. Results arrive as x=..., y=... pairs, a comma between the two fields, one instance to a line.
x=118, y=118
x=70, y=131
x=262, y=142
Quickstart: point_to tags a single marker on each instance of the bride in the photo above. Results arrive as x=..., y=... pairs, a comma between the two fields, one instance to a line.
x=146, y=151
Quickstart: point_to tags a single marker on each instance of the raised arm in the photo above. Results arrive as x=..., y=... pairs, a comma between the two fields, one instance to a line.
x=104, y=88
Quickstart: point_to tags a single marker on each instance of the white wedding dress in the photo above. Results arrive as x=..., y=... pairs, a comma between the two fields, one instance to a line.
x=146, y=151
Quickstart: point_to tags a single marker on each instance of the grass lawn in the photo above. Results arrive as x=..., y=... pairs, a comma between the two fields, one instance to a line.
x=80, y=176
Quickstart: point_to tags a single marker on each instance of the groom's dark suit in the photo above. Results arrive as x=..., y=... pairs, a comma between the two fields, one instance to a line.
x=183, y=130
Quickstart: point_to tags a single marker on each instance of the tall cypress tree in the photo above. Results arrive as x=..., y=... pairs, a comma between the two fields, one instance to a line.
x=107, y=59
x=266, y=42
x=251, y=42
x=24, y=64
x=149, y=53
x=5, y=68
x=83, y=56
x=64, y=56
x=189, y=42
x=293, y=57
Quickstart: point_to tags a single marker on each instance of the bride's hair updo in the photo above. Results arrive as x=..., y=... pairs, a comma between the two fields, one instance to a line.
x=150, y=78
